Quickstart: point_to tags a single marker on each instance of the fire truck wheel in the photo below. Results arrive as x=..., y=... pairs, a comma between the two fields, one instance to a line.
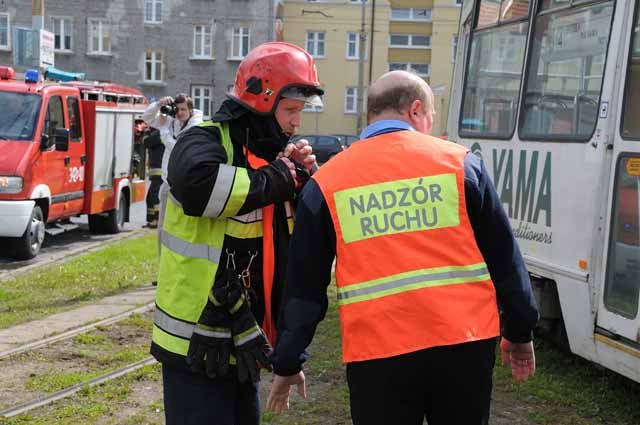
x=28, y=245
x=111, y=221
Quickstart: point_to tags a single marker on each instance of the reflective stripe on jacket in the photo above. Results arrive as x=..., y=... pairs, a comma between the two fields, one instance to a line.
x=408, y=270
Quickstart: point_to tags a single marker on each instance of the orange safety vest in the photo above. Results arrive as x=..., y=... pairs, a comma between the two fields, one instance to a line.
x=408, y=270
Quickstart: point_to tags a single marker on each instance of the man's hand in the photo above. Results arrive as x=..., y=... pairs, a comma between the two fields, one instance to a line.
x=521, y=357
x=301, y=152
x=165, y=101
x=290, y=165
x=278, y=400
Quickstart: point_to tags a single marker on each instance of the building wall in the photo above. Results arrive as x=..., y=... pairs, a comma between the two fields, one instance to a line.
x=446, y=15
x=335, y=71
x=131, y=37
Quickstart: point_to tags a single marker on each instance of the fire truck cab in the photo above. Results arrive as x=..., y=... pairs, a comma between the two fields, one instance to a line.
x=65, y=149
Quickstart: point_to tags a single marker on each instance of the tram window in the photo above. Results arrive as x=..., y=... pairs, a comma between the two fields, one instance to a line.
x=492, y=84
x=622, y=285
x=564, y=75
x=631, y=110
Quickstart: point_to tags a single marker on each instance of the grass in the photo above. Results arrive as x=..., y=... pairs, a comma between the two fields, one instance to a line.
x=110, y=402
x=566, y=389
x=570, y=390
x=61, y=287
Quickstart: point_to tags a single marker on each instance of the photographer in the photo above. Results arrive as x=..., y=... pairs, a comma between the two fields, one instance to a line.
x=171, y=117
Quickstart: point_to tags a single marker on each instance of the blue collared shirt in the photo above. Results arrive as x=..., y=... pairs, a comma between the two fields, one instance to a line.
x=384, y=126
x=313, y=248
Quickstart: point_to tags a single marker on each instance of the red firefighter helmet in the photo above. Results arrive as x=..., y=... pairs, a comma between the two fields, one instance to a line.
x=274, y=70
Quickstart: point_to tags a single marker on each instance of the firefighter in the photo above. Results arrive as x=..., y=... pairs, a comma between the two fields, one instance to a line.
x=225, y=239
x=424, y=251
x=155, y=147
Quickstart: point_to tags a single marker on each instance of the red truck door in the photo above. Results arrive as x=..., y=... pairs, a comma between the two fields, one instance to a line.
x=74, y=159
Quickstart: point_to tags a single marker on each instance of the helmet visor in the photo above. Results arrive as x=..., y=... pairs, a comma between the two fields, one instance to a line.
x=310, y=95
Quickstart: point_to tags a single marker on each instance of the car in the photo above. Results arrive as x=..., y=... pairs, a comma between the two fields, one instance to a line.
x=324, y=147
x=347, y=139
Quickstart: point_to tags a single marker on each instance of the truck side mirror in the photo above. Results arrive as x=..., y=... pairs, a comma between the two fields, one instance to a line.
x=62, y=139
x=45, y=142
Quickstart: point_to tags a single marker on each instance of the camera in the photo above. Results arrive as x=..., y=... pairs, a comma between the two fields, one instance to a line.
x=169, y=109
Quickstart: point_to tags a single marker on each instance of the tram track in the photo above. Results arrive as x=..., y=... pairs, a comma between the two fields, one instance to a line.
x=90, y=354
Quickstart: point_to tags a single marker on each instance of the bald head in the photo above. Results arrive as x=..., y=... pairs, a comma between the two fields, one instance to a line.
x=394, y=93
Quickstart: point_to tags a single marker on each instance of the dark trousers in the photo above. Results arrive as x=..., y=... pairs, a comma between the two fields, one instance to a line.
x=446, y=385
x=191, y=399
x=153, y=199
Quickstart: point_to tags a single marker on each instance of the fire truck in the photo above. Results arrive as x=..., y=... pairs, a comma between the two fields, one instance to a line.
x=66, y=149
x=547, y=92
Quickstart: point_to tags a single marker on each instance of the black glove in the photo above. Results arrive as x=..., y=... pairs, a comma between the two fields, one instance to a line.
x=252, y=347
x=211, y=345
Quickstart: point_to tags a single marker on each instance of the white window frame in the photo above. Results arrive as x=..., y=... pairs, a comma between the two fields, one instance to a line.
x=313, y=37
x=347, y=97
x=66, y=28
x=206, y=40
x=356, y=42
x=8, y=45
x=408, y=66
x=155, y=62
x=410, y=44
x=357, y=46
x=156, y=15
x=413, y=15
x=103, y=24
x=241, y=34
x=454, y=47
x=199, y=99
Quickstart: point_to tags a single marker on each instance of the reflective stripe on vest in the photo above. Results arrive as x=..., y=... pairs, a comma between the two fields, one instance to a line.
x=409, y=273
x=190, y=250
x=395, y=284
x=155, y=172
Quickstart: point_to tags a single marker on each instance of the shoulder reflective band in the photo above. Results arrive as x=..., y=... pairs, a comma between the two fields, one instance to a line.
x=225, y=135
x=399, y=206
x=190, y=250
x=172, y=326
x=410, y=281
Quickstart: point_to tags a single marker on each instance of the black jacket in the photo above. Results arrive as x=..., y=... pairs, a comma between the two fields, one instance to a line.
x=193, y=167
x=155, y=147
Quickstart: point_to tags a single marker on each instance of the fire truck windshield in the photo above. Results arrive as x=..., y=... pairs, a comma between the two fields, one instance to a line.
x=19, y=115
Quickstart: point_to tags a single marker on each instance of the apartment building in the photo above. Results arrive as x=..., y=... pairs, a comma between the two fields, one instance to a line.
x=330, y=31
x=162, y=47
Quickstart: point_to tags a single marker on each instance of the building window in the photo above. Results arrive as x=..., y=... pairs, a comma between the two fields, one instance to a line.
x=62, y=30
x=201, y=96
x=202, y=41
x=4, y=31
x=458, y=2
x=421, y=69
x=99, y=36
x=454, y=48
x=239, y=43
x=351, y=100
x=410, y=41
x=315, y=44
x=352, y=45
x=153, y=11
x=358, y=1
x=411, y=14
x=153, y=66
